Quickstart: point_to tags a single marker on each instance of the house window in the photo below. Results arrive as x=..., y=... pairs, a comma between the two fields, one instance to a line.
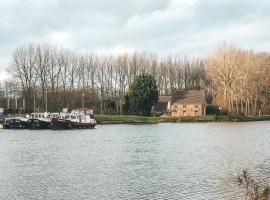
x=184, y=106
x=196, y=113
x=184, y=113
x=196, y=106
x=169, y=105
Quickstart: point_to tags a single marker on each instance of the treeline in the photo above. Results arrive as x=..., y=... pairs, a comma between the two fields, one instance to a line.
x=103, y=79
x=235, y=79
x=239, y=80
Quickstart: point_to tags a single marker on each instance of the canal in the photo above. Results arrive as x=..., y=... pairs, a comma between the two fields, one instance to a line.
x=159, y=161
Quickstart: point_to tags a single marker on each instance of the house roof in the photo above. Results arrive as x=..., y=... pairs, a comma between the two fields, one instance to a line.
x=161, y=106
x=164, y=98
x=188, y=97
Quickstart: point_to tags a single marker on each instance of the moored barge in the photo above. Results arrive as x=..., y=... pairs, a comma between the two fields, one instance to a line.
x=79, y=118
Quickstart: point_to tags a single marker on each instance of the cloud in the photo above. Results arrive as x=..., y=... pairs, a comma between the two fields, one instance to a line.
x=183, y=27
x=4, y=76
x=62, y=38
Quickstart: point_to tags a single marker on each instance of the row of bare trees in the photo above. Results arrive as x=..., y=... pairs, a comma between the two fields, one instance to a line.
x=63, y=76
x=240, y=80
x=235, y=79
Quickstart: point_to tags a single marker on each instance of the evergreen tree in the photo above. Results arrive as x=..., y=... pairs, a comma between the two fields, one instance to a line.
x=143, y=94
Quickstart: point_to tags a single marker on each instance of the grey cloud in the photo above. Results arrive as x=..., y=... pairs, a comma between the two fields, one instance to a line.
x=185, y=27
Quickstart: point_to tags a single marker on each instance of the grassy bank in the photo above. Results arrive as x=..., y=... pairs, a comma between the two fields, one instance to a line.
x=213, y=118
x=125, y=119
x=122, y=119
x=188, y=119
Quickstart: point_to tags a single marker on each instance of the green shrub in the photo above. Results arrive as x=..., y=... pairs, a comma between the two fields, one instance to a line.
x=212, y=110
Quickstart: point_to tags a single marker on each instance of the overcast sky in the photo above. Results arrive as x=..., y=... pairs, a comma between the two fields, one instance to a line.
x=182, y=27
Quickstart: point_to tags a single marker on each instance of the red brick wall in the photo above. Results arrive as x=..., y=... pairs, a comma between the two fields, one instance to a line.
x=187, y=110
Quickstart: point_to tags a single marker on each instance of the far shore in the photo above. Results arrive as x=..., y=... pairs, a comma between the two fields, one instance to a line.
x=134, y=119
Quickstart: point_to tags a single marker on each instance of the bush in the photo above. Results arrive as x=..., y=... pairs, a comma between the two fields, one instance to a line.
x=254, y=189
x=212, y=110
x=110, y=106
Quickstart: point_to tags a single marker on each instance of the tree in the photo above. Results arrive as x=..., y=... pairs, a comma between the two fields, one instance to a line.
x=235, y=79
x=143, y=94
x=239, y=80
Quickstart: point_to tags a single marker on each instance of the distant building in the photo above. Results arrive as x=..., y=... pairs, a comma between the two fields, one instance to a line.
x=182, y=103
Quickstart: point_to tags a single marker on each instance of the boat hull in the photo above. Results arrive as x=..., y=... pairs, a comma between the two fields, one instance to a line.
x=59, y=124
x=84, y=125
x=38, y=124
x=15, y=124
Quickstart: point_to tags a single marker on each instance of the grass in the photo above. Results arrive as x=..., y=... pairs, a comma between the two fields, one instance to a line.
x=121, y=119
x=207, y=118
x=233, y=118
x=222, y=118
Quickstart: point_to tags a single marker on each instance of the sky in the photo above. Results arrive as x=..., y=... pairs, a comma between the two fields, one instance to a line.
x=164, y=27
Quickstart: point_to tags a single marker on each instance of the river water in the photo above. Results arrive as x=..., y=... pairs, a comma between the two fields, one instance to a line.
x=160, y=161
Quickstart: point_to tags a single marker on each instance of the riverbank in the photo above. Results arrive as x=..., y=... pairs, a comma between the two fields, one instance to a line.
x=133, y=119
x=213, y=118
x=126, y=119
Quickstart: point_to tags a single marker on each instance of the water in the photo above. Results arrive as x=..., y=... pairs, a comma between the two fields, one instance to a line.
x=162, y=161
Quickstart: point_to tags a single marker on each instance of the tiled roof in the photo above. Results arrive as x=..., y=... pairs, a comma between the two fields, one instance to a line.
x=188, y=97
x=161, y=106
x=164, y=98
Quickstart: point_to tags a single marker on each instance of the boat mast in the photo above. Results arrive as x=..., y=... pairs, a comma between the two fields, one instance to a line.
x=34, y=103
x=46, y=99
x=83, y=100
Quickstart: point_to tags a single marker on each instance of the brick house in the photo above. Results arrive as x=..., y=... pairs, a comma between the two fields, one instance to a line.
x=182, y=103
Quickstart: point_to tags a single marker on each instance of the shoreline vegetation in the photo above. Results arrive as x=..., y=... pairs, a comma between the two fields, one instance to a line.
x=254, y=187
x=134, y=119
